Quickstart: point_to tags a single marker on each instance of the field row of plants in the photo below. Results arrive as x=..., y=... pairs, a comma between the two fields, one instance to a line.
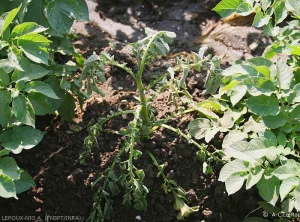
x=254, y=102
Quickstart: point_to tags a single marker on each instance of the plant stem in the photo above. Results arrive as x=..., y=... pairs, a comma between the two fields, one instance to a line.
x=140, y=85
x=189, y=139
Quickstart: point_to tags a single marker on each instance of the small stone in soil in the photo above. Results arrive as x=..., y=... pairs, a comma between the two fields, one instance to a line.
x=207, y=213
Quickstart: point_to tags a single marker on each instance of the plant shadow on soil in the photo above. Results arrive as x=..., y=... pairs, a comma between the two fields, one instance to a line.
x=63, y=185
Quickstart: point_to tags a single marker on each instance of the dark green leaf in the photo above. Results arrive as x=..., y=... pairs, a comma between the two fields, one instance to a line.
x=263, y=105
x=34, y=72
x=10, y=168
x=281, y=138
x=40, y=87
x=40, y=103
x=23, y=110
x=24, y=183
x=67, y=108
x=20, y=137
x=4, y=77
x=35, y=13
x=5, y=99
x=61, y=14
x=268, y=188
x=55, y=85
x=270, y=139
x=269, y=208
x=295, y=113
x=274, y=122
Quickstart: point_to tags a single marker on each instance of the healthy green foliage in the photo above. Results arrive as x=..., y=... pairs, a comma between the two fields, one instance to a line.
x=259, y=98
x=269, y=14
x=31, y=80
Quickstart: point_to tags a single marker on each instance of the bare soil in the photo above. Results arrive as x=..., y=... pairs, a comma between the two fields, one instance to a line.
x=63, y=185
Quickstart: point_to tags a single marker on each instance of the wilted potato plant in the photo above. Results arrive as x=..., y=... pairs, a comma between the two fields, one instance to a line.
x=144, y=123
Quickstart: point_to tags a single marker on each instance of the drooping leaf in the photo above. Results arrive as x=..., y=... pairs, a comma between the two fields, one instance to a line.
x=296, y=195
x=269, y=208
x=296, y=98
x=295, y=113
x=54, y=82
x=20, y=137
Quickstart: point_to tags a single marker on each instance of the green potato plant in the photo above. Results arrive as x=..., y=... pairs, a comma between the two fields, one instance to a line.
x=258, y=111
x=31, y=81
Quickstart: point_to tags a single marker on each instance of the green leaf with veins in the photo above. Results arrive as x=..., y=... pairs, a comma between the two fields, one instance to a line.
x=40, y=87
x=61, y=14
x=26, y=27
x=20, y=137
x=263, y=105
x=35, y=47
x=23, y=110
x=7, y=18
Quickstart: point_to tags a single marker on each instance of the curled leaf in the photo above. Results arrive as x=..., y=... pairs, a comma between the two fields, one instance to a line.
x=184, y=209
